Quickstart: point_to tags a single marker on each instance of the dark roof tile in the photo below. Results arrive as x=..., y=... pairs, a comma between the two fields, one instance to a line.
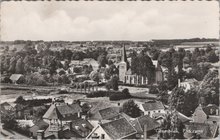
x=152, y=105
x=118, y=129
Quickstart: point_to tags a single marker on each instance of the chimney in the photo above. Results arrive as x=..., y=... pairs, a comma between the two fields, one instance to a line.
x=70, y=125
x=84, y=125
x=77, y=127
x=83, y=117
x=78, y=114
x=40, y=134
x=178, y=82
x=145, y=132
x=100, y=122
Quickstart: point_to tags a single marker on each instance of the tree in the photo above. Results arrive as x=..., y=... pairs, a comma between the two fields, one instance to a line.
x=102, y=60
x=181, y=55
x=147, y=68
x=209, y=89
x=114, y=82
x=153, y=90
x=20, y=100
x=131, y=109
x=184, y=102
x=191, y=102
x=19, y=68
x=163, y=97
x=208, y=49
x=9, y=122
x=176, y=99
x=85, y=108
x=172, y=125
x=87, y=69
x=169, y=60
x=12, y=65
x=110, y=71
x=126, y=92
x=212, y=57
x=95, y=76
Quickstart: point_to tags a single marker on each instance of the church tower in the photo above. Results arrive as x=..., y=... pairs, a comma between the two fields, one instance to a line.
x=123, y=66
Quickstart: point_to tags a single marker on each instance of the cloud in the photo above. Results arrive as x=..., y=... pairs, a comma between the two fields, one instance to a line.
x=102, y=21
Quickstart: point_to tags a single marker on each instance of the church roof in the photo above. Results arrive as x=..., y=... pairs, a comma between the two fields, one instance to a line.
x=124, y=56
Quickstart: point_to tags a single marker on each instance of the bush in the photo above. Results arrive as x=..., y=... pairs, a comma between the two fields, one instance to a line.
x=119, y=96
x=97, y=94
x=153, y=90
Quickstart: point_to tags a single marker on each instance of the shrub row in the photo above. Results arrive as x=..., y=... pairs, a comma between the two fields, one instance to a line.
x=113, y=95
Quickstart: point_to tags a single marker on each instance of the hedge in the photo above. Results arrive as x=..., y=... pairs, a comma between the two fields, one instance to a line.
x=113, y=95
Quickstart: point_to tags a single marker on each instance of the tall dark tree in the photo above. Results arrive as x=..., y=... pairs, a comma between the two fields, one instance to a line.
x=19, y=68
x=131, y=109
x=147, y=68
x=102, y=60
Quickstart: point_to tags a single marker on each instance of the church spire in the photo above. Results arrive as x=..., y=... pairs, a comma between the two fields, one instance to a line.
x=124, y=56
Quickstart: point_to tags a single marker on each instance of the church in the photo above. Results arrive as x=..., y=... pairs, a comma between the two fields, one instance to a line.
x=126, y=76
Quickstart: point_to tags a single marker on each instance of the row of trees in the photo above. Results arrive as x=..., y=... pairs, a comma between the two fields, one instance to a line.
x=141, y=64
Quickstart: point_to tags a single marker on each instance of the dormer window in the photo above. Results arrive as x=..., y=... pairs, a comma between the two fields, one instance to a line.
x=102, y=136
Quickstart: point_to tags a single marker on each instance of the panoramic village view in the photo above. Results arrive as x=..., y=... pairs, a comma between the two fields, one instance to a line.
x=119, y=89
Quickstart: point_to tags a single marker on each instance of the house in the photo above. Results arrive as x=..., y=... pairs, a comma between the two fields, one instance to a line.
x=23, y=112
x=39, y=125
x=188, y=84
x=94, y=112
x=109, y=113
x=208, y=114
x=160, y=116
x=159, y=75
x=6, y=107
x=81, y=127
x=117, y=129
x=151, y=107
x=199, y=116
x=145, y=124
x=17, y=78
x=57, y=116
x=211, y=109
x=63, y=112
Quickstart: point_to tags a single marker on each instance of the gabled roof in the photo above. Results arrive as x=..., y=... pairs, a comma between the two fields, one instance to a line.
x=108, y=113
x=153, y=105
x=96, y=106
x=210, y=107
x=83, y=126
x=5, y=104
x=139, y=123
x=69, y=109
x=60, y=111
x=52, y=113
x=118, y=129
x=15, y=77
x=41, y=125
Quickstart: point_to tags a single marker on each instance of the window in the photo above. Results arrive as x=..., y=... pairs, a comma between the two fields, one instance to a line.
x=103, y=136
x=159, y=111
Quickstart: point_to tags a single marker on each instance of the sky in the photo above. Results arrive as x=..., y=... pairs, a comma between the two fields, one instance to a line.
x=88, y=21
